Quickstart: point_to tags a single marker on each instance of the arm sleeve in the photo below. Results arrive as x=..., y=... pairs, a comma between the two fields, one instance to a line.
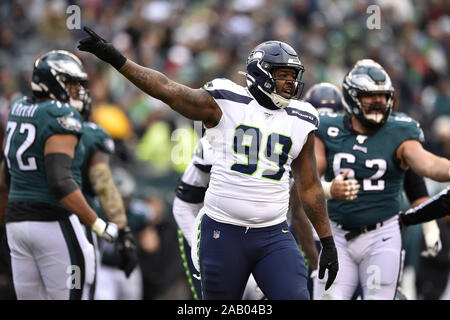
x=414, y=186
x=58, y=168
x=191, y=189
x=188, y=200
x=184, y=214
x=435, y=208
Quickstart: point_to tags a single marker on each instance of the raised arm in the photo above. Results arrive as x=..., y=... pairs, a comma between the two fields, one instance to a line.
x=412, y=154
x=195, y=104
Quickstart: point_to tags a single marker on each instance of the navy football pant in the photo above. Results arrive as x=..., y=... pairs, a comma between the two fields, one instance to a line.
x=229, y=253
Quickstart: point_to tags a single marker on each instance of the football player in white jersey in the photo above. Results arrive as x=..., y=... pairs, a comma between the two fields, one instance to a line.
x=257, y=132
x=190, y=194
x=188, y=201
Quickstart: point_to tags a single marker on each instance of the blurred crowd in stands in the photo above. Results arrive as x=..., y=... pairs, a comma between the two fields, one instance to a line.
x=194, y=41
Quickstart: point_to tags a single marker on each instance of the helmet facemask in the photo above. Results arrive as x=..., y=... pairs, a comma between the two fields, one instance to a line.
x=79, y=96
x=262, y=64
x=372, y=114
x=375, y=113
x=60, y=75
x=367, y=79
x=291, y=79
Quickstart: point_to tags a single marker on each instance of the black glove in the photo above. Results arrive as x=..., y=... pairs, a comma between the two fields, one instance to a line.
x=328, y=260
x=128, y=250
x=102, y=49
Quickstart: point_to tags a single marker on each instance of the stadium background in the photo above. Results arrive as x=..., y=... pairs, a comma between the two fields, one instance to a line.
x=195, y=41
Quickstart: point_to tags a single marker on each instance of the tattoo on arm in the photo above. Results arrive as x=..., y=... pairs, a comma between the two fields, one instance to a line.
x=195, y=104
x=109, y=197
x=317, y=213
x=144, y=78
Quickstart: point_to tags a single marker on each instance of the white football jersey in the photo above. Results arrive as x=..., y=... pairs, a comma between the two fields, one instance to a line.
x=253, y=150
x=202, y=160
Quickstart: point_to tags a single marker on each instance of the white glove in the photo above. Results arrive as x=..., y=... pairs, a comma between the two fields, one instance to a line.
x=432, y=238
x=106, y=230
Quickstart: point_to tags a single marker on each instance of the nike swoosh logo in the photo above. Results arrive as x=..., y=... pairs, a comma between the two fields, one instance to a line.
x=196, y=276
x=284, y=231
x=386, y=239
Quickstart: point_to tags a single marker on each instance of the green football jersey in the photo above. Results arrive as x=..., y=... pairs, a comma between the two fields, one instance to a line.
x=29, y=126
x=138, y=213
x=372, y=161
x=94, y=138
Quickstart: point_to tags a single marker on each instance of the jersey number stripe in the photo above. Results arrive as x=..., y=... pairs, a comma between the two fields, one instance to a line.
x=247, y=141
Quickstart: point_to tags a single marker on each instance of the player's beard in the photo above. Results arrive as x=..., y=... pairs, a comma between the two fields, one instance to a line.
x=377, y=118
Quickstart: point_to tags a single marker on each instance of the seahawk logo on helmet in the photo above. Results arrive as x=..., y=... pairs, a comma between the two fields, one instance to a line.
x=52, y=73
x=263, y=60
x=367, y=77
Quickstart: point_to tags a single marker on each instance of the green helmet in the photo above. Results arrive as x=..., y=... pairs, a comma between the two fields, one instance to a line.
x=367, y=77
x=53, y=72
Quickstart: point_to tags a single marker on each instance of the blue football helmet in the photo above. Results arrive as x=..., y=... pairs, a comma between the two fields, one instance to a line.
x=261, y=63
x=325, y=97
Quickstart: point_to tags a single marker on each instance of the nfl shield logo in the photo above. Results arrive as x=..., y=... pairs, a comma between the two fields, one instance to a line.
x=216, y=234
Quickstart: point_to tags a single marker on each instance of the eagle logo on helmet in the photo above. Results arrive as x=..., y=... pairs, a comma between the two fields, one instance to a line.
x=367, y=77
x=52, y=74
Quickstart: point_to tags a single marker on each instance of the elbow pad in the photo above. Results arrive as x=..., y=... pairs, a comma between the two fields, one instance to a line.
x=190, y=193
x=58, y=168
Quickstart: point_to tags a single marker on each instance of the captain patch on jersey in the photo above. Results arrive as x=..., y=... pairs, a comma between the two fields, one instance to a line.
x=372, y=161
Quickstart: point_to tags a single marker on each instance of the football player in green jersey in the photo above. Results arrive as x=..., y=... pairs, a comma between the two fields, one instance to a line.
x=377, y=148
x=51, y=256
x=327, y=98
x=102, y=194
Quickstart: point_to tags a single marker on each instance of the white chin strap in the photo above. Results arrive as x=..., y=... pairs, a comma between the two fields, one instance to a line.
x=279, y=101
